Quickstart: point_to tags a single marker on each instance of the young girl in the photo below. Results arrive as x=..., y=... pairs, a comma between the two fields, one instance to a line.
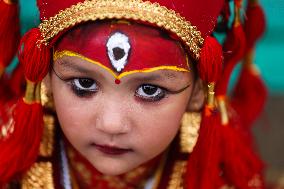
x=121, y=94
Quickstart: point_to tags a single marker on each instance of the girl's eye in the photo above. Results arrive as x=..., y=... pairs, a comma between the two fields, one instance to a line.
x=150, y=92
x=84, y=87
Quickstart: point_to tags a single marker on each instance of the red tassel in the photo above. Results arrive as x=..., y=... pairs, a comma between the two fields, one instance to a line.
x=22, y=146
x=241, y=164
x=34, y=56
x=255, y=24
x=9, y=33
x=203, y=165
x=249, y=104
x=250, y=89
x=17, y=82
x=12, y=87
x=210, y=64
x=234, y=46
x=20, y=150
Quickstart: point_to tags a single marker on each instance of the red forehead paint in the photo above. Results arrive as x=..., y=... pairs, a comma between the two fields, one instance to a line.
x=134, y=47
x=117, y=81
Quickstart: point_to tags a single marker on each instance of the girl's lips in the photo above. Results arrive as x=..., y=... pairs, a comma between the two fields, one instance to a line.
x=111, y=150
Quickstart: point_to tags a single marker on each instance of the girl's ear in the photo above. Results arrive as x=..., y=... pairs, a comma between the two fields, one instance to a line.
x=197, y=98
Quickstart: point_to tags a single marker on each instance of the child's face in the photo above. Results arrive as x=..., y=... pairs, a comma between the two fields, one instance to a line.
x=118, y=127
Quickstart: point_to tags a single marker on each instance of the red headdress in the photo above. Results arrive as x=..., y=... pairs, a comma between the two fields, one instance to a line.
x=189, y=21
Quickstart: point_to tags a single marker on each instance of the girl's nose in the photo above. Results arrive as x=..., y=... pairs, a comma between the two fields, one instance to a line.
x=113, y=118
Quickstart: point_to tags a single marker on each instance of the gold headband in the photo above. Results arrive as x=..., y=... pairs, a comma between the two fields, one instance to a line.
x=153, y=13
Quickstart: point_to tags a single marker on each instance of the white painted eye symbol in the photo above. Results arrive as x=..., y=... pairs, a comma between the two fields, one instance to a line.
x=118, y=48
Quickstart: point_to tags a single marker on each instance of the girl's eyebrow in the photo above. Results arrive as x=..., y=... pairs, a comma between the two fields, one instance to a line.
x=70, y=65
x=161, y=76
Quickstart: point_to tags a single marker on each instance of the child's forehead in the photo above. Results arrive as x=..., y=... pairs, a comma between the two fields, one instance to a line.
x=124, y=47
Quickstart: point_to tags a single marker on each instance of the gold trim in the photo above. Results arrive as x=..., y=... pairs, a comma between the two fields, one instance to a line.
x=38, y=93
x=46, y=96
x=32, y=94
x=211, y=95
x=189, y=131
x=152, y=13
x=223, y=110
x=60, y=54
x=47, y=141
x=227, y=187
x=7, y=129
x=30, y=90
x=255, y=182
x=177, y=176
x=39, y=176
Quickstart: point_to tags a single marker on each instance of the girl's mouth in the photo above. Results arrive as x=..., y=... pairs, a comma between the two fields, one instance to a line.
x=111, y=150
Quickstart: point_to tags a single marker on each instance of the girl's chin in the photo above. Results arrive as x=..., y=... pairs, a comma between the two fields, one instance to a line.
x=112, y=171
x=113, y=168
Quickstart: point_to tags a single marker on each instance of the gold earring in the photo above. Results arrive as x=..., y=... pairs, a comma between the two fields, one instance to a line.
x=47, y=141
x=46, y=97
x=189, y=129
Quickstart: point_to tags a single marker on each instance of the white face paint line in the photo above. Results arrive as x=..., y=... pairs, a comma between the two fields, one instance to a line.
x=118, y=48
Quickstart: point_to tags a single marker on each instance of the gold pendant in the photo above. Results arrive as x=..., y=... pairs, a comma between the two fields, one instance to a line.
x=190, y=125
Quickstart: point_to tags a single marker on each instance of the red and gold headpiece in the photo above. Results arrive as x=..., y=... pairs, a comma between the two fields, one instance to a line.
x=123, y=48
x=176, y=18
x=190, y=22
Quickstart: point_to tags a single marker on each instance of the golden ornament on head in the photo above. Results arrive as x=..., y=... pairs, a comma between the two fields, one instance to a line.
x=139, y=10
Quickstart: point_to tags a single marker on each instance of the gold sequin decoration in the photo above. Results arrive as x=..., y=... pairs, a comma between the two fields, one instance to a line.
x=7, y=129
x=46, y=97
x=223, y=110
x=153, y=13
x=47, y=141
x=211, y=95
x=227, y=187
x=39, y=177
x=255, y=182
x=190, y=125
x=177, y=176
